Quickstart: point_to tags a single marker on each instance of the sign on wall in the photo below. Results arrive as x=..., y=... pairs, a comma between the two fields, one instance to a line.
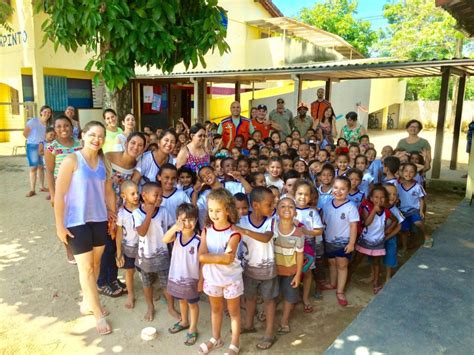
x=13, y=39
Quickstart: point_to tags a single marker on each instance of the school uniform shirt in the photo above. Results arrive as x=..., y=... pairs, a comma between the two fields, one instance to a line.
x=344, y=173
x=184, y=268
x=373, y=234
x=172, y=202
x=217, y=274
x=410, y=198
x=337, y=222
x=311, y=219
x=397, y=214
x=153, y=255
x=376, y=168
x=258, y=258
x=367, y=179
x=269, y=181
x=286, y=246
x=149, y=168
x=233, y=187
x=129, y=233
x=393, y=181
x=202, y=207
x=324, y=197
x=188, y=190
x=356, y=197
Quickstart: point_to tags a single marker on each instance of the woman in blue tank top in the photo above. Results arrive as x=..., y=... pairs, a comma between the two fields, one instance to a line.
x=83, y=203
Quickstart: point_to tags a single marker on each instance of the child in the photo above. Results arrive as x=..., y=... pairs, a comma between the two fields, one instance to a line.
x=342, y=164
x=184, y=270
x=289, y=245
x=303, y=151
x=287, y=163
x=375, y=230
x=243, y=166
x=340, y=217
x=391, y=165
x=258, y=260
x=355, y=195
x=412, y=201
x=208, y=181
x=354, y=151
x=390, y=257
x=253, y=163
x=375, y=165
x=289, y=178
x=274, y=173
x=126, y=236
x=362, y=163
x=186, y=180
x=151, y=222
x=242, y=204
x=221, y=269
x=301, y=167
x=312, y=229
x=262, y=163
x=325, y=189
x=323, y=156
x=172, y=197
x=256, y=179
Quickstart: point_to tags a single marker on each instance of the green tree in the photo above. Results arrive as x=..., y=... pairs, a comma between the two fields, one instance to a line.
x=122, y=34
x=337, y=16
x=5, y=12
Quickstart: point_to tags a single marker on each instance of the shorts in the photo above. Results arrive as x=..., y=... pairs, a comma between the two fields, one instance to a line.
x=370, y=252
x=149, y=278
x=190, y=301
x=87, y=236
x=290, y=294
x=33, y=156
x=233, y=290
x=129, y=262
x=268, y=288
x=390, y=257
x=410, y=219
x=338, y=253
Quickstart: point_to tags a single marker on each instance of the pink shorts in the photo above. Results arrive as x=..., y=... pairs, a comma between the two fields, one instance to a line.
x=230, y=291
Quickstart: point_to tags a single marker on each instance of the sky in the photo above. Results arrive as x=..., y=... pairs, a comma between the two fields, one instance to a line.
x=370, y=10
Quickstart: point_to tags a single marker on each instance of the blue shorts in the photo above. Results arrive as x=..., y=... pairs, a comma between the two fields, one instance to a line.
x=290, y=294
x=410, y=220
x=33, y=156
x=390, y=257
x=338, y=253
x=190, y=301
x=129, y=263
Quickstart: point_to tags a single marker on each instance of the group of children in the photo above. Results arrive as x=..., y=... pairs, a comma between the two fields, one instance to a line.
x=260, y=221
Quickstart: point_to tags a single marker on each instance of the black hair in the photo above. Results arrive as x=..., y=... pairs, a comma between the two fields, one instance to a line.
x=355, y=171
x=196, y=128
x=327, y=153
x=262, y=157
x=330, y=168
x=285, y=157
x=240, y=196
x=252, y=178
x=277, y=159
x=136, y=134
x=268, y=140
x=49, y=129
x=187, y=170
x=422, y=160
x=148, y=186
x=392, y=163
x=363, y=136
x=293, y=153
x=351, y=115
x=168, y=131
x=290, y=174
x=62, y=117
x=362, y=156
x=409, y=123
x=345, y=179
x=107, y=110
x=189, y=210
x=216, y=136
x=343, y=154
x=259, y=193
x=378, y=187
x=343, y=139
x=167, y=166
x=409, y=164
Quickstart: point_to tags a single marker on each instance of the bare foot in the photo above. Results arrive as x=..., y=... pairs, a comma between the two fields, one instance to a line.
x=150, y=314
x=174, y=314
x=103, y=327
x=130, y=303
x=367, y=280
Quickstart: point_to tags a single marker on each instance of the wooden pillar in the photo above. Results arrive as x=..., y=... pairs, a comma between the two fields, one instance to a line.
x=443, y=102
x=300, y=89
x=202, y=107
x=237, y=91
x=327, y=91
x=457, y=122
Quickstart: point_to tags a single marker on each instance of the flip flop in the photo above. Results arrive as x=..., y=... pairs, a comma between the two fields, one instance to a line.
x=248, y=330
x=103, y=328
x=191, y=338
x=308, y=308
x=44, y=189
x=284, y=329
x=177, y=327
x=266, y=343
x=30, y=194
x=327, y=287
x=377, y=289
x=342, y=301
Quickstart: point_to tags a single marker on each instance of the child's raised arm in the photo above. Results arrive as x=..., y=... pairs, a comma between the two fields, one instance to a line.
x=224, y=259
x=261, y=237
x=143, y=228
x=170, y=235
x=368, y=217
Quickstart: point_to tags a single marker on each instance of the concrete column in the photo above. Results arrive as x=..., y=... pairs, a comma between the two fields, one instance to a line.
x=38, y=85
x=383, y=123
x=457, y=122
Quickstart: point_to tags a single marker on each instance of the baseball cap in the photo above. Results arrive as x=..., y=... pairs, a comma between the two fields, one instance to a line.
x=262, y=107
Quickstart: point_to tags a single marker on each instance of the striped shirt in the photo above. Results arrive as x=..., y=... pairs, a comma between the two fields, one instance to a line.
x=61, y=151
x=286, y=246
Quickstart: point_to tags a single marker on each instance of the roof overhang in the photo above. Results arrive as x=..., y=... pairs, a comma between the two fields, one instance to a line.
x=317, y=36
x=370, y=68
x=462, y=11
x=271, y=8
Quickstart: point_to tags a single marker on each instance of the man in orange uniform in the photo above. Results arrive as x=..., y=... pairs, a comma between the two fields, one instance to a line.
x=231, y=126
x=319, y=106
x=262, y=122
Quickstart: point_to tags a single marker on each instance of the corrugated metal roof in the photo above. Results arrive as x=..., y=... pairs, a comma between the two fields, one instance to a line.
x=368, y=68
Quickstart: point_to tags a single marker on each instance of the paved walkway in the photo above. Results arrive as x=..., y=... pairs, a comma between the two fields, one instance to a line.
x=428, y=307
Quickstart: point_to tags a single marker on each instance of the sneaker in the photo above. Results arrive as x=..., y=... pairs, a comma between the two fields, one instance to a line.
x=428, y=243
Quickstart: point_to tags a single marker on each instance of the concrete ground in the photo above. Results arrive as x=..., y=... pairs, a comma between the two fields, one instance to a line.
x=427, y=308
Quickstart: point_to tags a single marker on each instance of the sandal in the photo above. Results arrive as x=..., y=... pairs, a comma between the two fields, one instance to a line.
x=377, y=289
x=89, y=312
x=215, y=344
x=327, y=287
x=233, y=348
x=307, y=308
x=248, y=330
x=283, y=329
x=266, y=343
x=103, y=328
x=341, y=300
x=106, y=290
x=177, y=327
x=261, y=316
x=428, y=243
x=44, y=189
x=191, y=338
x=30, y=193
x=117, y=284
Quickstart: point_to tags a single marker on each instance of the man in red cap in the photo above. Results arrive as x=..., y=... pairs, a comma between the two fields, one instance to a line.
x=302, y=122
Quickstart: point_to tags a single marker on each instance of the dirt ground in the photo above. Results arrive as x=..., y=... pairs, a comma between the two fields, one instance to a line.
x=39, y=291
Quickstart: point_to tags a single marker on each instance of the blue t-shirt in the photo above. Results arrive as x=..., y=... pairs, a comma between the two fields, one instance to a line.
x=37, y=133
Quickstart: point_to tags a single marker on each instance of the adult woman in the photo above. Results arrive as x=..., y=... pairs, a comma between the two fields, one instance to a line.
x=149, y=164
x=54, y=154
x=113, y=130
x=121, y=166
x=70, y=113
x=82, y=202
x=414, y=143
x=351, y=132
x=34, y=132
x=128, y=124
x=195, y=154
x=327, y=125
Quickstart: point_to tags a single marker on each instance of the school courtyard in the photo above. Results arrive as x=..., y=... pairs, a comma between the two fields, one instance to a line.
x=39, y=300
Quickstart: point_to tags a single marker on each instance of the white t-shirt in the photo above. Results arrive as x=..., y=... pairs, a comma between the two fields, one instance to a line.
x=258, y=258
x=188, y=190
x=269, y=181
x=37, y=131
x=311, y=219
x=233, y=187
x=129, y=233
x=356, y=198
x=324, y=197
x=217, y=274
x=410, y=198
x=367, y=179
x=172, y=202
x=149, y=168
x=374, y=233
x=153, y=253
x=202, y=207
x=337, y=221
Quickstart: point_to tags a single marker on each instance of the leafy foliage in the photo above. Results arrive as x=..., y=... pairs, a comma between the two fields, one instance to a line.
x=337, y=16
x=5, y=12
x=122, y=34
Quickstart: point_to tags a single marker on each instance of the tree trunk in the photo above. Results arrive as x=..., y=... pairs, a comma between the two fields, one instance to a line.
x=119, y=100
x=459, y=44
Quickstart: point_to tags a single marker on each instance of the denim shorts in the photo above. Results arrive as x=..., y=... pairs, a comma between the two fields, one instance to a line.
x=290, y=294
x=129, y=263
x=268, y=288
x=390, y=257
x=33, y=156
